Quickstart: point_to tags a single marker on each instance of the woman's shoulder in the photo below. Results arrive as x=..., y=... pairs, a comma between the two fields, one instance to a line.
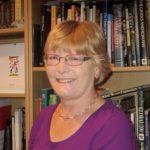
x=112, y=112
x=113, y=124
x=44, y=115
x=46, y=112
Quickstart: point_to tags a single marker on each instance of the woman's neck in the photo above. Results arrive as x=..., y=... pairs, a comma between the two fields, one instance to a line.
x=75, y=108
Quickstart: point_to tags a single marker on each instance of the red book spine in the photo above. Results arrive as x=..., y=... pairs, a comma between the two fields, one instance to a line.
x=5, y=114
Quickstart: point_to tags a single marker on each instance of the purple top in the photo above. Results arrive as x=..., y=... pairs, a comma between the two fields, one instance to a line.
x=106, y=129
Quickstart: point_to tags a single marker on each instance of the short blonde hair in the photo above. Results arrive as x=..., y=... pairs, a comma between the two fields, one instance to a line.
x=83, y=38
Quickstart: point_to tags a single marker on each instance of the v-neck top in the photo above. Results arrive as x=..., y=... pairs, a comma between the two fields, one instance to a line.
x=108, y=128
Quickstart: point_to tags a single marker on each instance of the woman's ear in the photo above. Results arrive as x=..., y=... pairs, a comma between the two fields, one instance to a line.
x=97, y=72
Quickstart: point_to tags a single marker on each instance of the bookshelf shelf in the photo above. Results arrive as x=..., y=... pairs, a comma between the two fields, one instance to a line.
x=12, y=31
x=114, y=69
x=38, y=68
x=14, y=95
x=131, y=69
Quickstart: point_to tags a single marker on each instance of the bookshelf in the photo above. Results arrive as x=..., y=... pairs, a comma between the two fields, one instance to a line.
x=129, y=76
x=122, y=78
x=17, y=35
x=114, y=69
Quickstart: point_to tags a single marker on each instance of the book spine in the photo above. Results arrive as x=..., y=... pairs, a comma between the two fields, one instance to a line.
x=45, y=92
x=141, y=125
x=7, y=14
x=94, y=8
x=18, y=129
x=13, y=132
x=118, y=35
x=125, y=53
x=2, y=15
x=147, y=129
x=142, y=30
x=2, y=132
x=82, y=11
x=53, y=99
x=104, y=18
x=109, y=50
x=36, y=44
x=53, y=16
x=5, y=114
x=128, y=37
x=12, y=11
x=18, y=11
x=137, y=38
x=7, y=136
x=132, y=34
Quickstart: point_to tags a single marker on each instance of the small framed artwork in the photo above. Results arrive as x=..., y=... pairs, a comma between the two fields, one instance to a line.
x=12, y=68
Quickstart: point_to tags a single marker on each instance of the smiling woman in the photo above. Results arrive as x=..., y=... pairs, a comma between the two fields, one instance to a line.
x=76, y=61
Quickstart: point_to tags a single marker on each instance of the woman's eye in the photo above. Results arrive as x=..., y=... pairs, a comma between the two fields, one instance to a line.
x=74, y=58
x=53, y=57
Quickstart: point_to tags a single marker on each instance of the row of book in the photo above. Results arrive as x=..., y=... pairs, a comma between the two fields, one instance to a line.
x=124, y=24
x=11, y=127
x=11, y=12
x=135, y=102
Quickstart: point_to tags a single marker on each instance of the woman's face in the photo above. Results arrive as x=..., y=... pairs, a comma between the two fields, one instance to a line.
x=71, y=81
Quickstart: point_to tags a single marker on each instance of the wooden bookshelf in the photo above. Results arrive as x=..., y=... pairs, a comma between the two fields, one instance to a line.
x=17, y=35
x=114, y=69
x=122, y=78
x=131, y=69
x=11, y=31
x=13, y=95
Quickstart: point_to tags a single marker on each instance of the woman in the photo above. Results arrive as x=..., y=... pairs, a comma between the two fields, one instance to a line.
x=76, y=61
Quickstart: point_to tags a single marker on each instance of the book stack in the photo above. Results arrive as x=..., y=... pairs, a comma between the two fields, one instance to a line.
x=11, y=13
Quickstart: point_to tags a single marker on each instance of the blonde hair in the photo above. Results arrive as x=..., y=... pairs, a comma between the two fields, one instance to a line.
x=83, y=38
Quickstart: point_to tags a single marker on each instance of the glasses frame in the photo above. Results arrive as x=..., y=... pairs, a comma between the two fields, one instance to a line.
x=82, y=59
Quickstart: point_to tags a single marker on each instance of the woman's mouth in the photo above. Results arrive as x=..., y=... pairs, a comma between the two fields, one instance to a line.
x=64, y=80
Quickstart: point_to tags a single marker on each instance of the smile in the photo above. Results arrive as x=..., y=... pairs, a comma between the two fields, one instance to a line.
x=65, y=80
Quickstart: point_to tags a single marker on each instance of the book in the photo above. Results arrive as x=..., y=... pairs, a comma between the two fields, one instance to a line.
x=45, y=93
x=18, y=128
x=142, y=32
x=132, y=34
x=53, y=99
x=82, y=11
x=13, y=132
x=128, y=36
x=44, y=14
x=143, y=98
x=109, y=37
x=5, y=115
x=36, y=45
x=118, y=34
x=147, y=128
x=136, y=26
x=19, y=11
x=2, y=139
x=53, y=16
x=7, y=14
x=8, y=136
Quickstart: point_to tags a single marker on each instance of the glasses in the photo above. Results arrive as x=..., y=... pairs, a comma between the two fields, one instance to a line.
x=71, y=60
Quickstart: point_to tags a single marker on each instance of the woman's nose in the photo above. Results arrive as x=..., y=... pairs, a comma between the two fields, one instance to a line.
x=62, y=66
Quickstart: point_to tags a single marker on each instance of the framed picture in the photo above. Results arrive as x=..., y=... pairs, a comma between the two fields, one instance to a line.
x=12, y=68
